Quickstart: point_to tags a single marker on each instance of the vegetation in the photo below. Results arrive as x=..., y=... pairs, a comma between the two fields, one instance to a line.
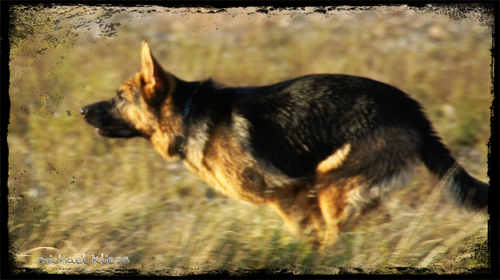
x=72, y=192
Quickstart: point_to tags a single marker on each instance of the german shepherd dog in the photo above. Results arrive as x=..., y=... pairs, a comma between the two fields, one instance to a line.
x=318, y=148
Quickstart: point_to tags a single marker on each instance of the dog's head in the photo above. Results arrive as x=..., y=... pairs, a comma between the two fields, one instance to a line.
x=143, y=106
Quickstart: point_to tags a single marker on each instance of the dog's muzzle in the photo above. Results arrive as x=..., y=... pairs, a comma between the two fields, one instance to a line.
x=107, y=125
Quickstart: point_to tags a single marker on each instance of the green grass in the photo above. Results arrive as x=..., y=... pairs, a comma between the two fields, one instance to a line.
x=71, y=192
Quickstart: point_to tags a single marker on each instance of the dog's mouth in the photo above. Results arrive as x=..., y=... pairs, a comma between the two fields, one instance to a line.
x=117, y=132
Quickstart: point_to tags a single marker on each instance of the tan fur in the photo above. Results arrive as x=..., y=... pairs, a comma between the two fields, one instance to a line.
x=335, y=160
x=228, y=157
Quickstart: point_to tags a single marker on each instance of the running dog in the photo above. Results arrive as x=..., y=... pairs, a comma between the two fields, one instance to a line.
x=318, y=148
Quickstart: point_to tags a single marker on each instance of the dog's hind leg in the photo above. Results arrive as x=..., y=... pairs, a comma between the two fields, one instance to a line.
x=331, y=194
x=354, y=178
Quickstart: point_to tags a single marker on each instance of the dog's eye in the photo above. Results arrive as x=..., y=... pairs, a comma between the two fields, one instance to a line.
x=120, y=95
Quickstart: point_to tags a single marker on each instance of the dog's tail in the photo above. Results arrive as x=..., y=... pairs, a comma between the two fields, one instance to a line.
x=465, y=190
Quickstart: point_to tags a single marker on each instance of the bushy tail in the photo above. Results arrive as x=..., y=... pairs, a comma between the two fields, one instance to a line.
x=465, y=190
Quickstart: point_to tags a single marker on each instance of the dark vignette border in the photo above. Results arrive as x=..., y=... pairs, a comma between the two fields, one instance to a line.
x=455, y=11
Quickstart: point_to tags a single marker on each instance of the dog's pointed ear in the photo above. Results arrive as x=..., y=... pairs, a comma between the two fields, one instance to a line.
x=155, y=79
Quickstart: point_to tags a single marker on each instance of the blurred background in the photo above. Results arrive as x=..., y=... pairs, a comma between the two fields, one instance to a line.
x=73, y=192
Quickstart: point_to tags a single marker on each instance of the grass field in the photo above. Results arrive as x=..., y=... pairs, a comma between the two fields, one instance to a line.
x=72, y=192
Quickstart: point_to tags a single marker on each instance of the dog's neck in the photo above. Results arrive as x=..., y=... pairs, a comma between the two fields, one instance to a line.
x=182, y=142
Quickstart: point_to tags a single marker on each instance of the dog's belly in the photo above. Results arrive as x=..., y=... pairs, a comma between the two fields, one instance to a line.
x=243, y=178
x=228, y=183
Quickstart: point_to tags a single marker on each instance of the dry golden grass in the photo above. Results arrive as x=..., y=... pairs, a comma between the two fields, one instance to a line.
x=71, y=192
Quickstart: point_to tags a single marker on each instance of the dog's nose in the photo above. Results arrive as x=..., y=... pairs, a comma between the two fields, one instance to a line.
x=84, y=110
